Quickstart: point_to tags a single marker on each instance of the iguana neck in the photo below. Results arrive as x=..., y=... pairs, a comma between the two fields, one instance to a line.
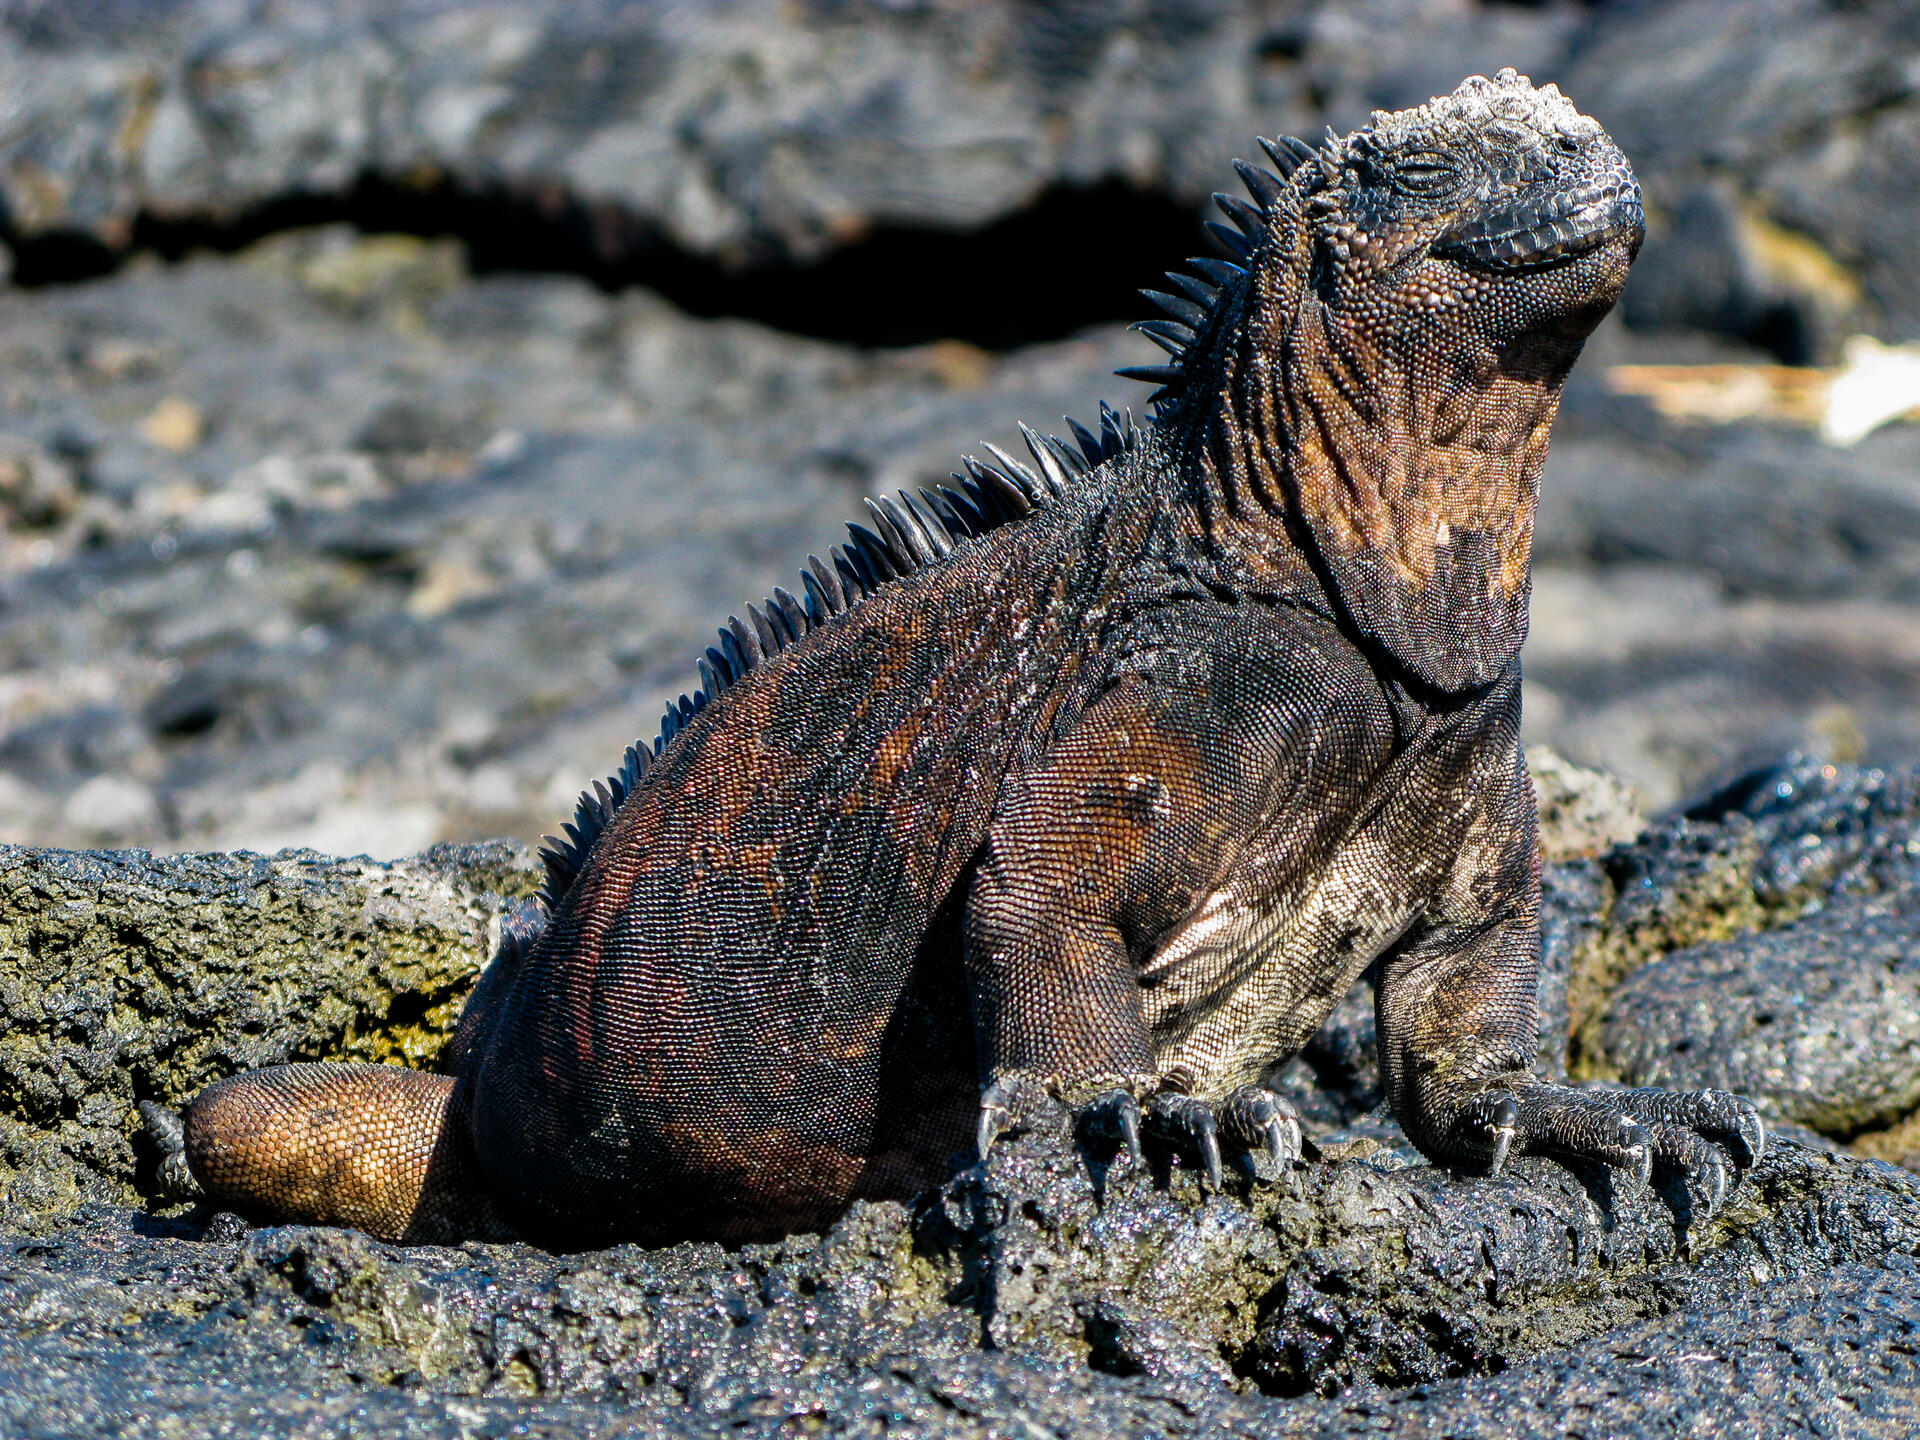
x=1400, y=461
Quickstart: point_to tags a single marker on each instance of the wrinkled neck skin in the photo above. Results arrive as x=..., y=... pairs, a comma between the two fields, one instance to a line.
x=1399, y=460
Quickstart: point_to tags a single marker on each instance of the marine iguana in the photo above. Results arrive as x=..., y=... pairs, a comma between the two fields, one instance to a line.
x=1104, y=777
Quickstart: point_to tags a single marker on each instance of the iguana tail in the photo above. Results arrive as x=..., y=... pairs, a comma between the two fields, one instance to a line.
x=378, y=1148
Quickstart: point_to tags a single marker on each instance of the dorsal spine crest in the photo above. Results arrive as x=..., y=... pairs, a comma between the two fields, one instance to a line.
x=1191, y=313
x=913, y=532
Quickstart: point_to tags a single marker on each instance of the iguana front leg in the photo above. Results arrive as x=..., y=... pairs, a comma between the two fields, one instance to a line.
x=1133, y=817
x=1455, y=1010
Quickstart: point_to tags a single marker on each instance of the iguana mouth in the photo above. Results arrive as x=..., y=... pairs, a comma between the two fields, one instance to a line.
x=1551, y=231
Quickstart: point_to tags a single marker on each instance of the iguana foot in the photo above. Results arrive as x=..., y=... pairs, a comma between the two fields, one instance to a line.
x=1251, y=1118
x=1635, y=1130
x=168, y=1134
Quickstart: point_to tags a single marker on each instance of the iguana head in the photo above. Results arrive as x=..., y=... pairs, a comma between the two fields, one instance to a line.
x=1499, y=204
x=1388, y=366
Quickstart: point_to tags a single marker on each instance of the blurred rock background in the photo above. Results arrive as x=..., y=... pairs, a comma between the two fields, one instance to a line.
x=393, y=396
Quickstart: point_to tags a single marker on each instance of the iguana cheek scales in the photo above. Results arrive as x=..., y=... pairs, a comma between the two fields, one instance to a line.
x=1107, y=774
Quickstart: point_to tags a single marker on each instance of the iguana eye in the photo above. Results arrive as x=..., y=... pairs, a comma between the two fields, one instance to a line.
x=1424, y=173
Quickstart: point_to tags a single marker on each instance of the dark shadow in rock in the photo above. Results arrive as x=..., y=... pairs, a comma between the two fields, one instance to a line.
x=998, y=286
x=196, y=1224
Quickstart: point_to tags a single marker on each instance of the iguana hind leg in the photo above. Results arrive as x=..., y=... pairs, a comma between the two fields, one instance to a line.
x=374, y=1147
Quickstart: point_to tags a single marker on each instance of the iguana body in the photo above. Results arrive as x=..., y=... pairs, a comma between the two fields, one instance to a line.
x=1105, y=783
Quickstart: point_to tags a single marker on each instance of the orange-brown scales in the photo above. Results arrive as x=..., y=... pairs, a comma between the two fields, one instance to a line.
x=1106, y=776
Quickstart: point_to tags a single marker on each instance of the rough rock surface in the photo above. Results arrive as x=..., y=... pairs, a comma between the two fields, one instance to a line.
x=720, y=128
x=439, y=546
x=1769, y=938
x=1060, y=1287
x=1582, y=811
x=1379, y=1295
x=1818, y=1021
x=126, y=976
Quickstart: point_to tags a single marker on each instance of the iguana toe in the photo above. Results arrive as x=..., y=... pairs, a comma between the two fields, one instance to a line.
x=1189, y=1123
x=1114, y=1115
x=1723, y=1116
x=1258, y=1118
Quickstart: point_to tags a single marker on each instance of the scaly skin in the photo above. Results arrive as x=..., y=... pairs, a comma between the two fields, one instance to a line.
x=1114, y=801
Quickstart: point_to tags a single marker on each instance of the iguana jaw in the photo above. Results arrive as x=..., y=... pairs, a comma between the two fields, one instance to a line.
x=1552, y=229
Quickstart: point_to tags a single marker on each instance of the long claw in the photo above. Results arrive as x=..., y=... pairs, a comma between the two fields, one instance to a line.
x=1753, y=1135
x=1128, y=1119
x=1115, y=1113
x=1502, y=1143
x=1717, y=1171
x=1210, y=1150
x=1638, y=1147
x=1502, y=1125
x=1276, y=1133
x=996, y=1113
